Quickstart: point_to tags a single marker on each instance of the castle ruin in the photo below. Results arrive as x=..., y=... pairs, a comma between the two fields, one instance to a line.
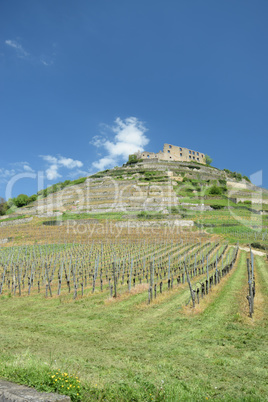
x=174, y=153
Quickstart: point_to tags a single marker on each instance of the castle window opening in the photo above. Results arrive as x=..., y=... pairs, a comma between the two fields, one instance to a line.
x=198, y=159
x=197, y=153
x=168, y=151
x=193, y=152
x=148, y=156
x=190, y=157
x=193, y=157
x=181, y=154
x=180, y=149
x=190, y=152
x=170, y=146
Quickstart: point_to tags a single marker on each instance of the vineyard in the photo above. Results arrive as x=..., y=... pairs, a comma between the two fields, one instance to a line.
x=112, y=267
x=143, y=315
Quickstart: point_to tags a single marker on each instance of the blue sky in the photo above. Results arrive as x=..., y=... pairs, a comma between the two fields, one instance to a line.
x=82, y=83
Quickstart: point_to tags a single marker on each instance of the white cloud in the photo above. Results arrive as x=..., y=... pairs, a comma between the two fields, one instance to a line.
x=45, y=60
x=19, y=49
x=129, y=138
x=102, y=163
x=46, y=63
x=7, y=173
x=69, y=163
x=14, y=168
x=52, y=172
x=49, y=158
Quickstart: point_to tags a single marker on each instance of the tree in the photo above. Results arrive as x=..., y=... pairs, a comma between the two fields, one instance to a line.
x=132, y=158
x=208, y=160
x=3, y=206
x=21, y=200
x=32, y=198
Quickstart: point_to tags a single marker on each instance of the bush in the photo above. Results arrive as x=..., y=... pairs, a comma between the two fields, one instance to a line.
x=142, y=214
x=246, y=178
x=217, y=206
x=174, y=210
x=215, y=190
x=32, y=198
x=247, y=202
x=21, y=200
x=147, y=215
x=208, y=160
x=3, y=206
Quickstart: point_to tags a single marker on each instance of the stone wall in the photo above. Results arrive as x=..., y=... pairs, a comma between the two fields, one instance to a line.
x=16, y=222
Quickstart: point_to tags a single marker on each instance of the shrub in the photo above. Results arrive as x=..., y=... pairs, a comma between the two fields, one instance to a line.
x=215, y=190
x=174, y=210
x=217, y=206
x=208, y=160
x=3, y=206
x=21, y=200
x=142, y=214
x=246, y=178
x=247, y=202
x=32, y=198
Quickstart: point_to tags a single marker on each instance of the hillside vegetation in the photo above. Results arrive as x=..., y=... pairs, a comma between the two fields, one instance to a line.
x=218, y=201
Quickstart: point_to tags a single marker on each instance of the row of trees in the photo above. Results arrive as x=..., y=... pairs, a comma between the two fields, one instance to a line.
x=23, y=199
x=19, y=201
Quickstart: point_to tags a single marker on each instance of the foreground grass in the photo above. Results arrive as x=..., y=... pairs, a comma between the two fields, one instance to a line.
x=125, y=350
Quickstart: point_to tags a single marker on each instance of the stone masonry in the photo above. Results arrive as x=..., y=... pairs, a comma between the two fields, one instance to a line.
x=174, y=153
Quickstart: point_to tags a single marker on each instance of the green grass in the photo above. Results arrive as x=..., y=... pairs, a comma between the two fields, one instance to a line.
x=126, y=351
x=14, y=218
x=107, y=215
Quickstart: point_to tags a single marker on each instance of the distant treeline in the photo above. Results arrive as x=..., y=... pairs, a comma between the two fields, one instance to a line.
x=22, y=199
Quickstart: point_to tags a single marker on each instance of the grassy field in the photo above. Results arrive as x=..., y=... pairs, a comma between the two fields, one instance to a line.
x=126, y=350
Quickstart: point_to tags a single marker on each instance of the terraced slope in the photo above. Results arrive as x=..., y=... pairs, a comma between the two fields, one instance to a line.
x=147, y=186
